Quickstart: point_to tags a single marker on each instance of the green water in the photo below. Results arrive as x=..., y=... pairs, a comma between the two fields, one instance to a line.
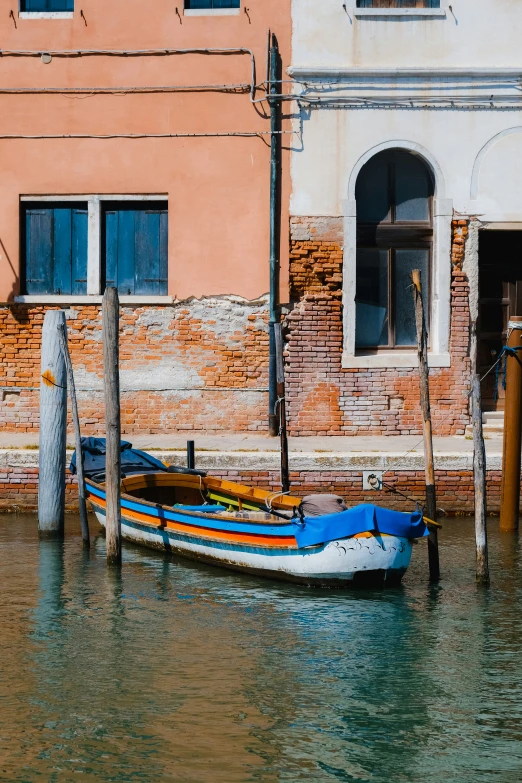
x=176, y=671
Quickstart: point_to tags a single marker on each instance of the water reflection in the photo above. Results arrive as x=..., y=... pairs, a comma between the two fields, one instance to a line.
x=172, y=670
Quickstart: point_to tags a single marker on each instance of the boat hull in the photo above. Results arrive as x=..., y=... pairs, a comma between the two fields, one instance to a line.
x=360, y=560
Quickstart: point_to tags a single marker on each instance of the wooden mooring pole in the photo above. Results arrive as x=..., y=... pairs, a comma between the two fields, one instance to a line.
x=281, y=402
x=510, y=489
x=84, y=520
x=479, y=472
x=53, y=429
x=111, y=322
x=431, y=495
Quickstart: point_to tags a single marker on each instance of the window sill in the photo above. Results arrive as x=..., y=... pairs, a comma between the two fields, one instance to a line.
x=46, y=15
x=211, y=11
x=391, y=360
x=49, y=299
x=362, y=12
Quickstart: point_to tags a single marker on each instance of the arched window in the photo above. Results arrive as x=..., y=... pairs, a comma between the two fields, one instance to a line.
x=394, y=195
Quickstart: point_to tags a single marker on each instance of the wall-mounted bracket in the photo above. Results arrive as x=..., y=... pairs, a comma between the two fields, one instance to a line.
x=372, y=480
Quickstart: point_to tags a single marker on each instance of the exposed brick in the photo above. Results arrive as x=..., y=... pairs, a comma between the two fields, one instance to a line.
x=324, y=398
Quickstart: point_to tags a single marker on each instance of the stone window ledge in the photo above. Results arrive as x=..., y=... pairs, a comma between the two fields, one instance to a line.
x=90, y=300
x=362, y=12
x=211, y=11
x=391, y=360
x=46, y=14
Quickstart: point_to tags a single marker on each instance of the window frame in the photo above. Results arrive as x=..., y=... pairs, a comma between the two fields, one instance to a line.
x=370, y=4
x=408, y=11
x=234, y=11
x=95, y=204
x=391, y=234
x=391, y=248
x=44, y=14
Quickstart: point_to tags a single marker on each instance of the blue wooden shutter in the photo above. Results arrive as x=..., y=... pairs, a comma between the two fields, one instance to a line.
x=136, y=249
x=56, y=249
x=80, y=222
x=38, y=251
x=34, y=6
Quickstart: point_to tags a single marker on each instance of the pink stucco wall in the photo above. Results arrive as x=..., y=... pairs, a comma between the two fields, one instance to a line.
x=218, y=188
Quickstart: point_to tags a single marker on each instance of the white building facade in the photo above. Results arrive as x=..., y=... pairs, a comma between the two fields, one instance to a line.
x=408, y=154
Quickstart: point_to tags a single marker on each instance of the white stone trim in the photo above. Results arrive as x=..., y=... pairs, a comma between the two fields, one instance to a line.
x=64, y=300
x=362, y=12
x=392, y=359
x=440, y=313
x=409, y=146
x=211, y=11
x=46, y=14
x=100, y=196
x=94, y=246
x=475, y=177
x=320, y=71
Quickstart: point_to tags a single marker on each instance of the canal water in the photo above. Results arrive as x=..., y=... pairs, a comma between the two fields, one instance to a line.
x=177, y=671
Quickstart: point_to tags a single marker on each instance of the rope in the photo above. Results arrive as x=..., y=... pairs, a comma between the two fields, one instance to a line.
x=505, y=352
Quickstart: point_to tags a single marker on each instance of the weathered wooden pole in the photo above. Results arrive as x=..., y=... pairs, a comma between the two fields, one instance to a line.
x=281, y=400
x=84, y=520
x=431, y=496
x=479, y=472
x=510, y=490
x=111, y=322
x=53, y=429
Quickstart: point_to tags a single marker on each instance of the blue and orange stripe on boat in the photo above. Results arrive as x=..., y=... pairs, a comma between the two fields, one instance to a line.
x=189, y=523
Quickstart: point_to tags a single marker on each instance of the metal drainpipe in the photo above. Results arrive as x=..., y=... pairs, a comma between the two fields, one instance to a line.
x=275, y=229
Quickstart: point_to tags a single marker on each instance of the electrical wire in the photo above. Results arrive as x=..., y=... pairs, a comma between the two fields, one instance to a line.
x=137, y=53
x=242, y=134
x=233, y=88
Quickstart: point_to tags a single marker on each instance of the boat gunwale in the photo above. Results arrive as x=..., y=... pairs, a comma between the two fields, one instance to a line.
x=194, y=514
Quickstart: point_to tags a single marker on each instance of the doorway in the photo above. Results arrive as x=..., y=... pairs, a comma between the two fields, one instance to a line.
x=500, y=298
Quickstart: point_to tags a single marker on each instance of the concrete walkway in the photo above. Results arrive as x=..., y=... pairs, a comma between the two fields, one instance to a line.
x=260, y=452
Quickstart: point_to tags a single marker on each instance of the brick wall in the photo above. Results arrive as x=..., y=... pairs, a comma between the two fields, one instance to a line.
x=198, y=365
x=455, y=490
x=324, y=398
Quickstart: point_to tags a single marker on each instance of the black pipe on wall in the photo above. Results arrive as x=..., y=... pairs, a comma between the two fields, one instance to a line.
x=275, y=225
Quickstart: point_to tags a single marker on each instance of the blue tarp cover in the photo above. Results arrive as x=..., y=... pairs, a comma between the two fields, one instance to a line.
x=132, y=460
x=360, y=519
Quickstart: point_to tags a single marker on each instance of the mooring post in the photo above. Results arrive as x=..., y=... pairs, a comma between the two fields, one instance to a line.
x=431, y=495
x=479, y=472
x=281, y=406
x=191, y=455
x=510, y=490
x=111, y=322
x=84, y=520
x=53, y=429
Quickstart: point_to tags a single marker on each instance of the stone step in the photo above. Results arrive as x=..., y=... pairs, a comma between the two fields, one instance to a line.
x=492, y=425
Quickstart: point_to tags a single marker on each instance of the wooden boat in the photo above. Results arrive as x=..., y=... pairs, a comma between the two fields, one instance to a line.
x=250, y=529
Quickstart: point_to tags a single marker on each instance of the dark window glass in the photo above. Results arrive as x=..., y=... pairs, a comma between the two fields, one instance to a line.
x=373, y=191
x=398, y=3
x=394, y=235
x=372, y=297
x=46, y=5
x=412, y=189
x=193, y=4
x=136, y=248
x=54, y=248
x=406, y=261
